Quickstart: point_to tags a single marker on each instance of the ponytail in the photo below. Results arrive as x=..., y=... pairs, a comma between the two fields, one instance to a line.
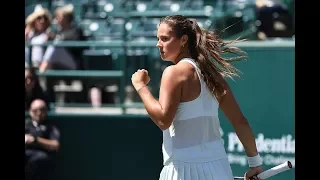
x=207, y=53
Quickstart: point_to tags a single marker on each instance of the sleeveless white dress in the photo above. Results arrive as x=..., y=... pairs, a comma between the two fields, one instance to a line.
x=192, y=146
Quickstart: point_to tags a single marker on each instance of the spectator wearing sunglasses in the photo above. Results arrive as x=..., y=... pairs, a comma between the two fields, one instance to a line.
x=42, y=141
x=37, y=31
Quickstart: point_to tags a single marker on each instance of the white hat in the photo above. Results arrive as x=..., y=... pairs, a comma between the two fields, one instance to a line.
x=38, y=11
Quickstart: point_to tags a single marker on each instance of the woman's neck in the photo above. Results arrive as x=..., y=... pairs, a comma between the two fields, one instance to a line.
x=181, y=56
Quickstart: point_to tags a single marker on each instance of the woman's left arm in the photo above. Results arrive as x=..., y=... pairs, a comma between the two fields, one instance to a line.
x=163, y=111
x=231, y=110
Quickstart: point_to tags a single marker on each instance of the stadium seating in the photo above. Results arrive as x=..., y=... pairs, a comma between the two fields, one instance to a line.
x=125, y=31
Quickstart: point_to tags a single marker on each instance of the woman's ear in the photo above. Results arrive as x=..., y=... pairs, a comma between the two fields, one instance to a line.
x=184, y=40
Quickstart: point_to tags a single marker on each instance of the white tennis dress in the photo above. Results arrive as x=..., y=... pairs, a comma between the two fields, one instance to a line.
x=192, y=146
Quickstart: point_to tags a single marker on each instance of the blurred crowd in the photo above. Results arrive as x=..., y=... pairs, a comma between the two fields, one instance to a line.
x=274, y=19
x=42, y=139
x=39, y=29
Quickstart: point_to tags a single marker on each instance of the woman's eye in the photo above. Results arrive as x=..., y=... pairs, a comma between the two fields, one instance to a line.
x=165, y=39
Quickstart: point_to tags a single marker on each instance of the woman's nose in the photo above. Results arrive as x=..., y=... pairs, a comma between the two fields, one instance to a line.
x=158, y=44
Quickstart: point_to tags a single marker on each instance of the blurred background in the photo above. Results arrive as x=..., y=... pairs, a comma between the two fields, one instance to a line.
x=79, y=58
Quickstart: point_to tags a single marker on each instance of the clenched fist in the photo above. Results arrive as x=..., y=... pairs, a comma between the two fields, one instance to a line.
x=140, y=79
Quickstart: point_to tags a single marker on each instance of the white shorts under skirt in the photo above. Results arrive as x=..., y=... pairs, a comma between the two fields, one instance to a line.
x=214, y=170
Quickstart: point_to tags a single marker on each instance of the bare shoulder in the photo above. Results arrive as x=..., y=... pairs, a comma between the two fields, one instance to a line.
x=172, y=70
x=173, y=73
x=187, y=70
x=184, y=64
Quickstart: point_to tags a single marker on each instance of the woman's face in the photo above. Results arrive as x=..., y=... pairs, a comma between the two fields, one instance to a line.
x=29, y=80
x=41, y=23
x=169, y=45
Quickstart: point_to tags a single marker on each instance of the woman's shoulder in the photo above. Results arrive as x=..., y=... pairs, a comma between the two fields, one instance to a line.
x=180, y=72
x=186, y=66
x=174, y=69
x=173, y=75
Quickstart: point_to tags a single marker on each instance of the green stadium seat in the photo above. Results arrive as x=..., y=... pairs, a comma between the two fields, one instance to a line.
x=196, y=5
x=173, y=6
x=100, y=9
x=89, y=10
x=132, y=28
x=137, y=58
x=117, y=27
x=97, y=59
x=85, y=25
x=143, y=27
x=108, y=29
x=150, y=26
x=141, y=6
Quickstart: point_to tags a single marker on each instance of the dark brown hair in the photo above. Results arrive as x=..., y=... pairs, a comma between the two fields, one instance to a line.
x=206, y=48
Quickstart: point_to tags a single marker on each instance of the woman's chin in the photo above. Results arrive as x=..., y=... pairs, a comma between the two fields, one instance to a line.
x=164, y=58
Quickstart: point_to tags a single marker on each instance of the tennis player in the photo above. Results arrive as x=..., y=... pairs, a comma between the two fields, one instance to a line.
x=191, y=92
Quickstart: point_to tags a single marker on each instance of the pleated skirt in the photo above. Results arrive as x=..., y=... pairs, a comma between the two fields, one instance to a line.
x=214, y=170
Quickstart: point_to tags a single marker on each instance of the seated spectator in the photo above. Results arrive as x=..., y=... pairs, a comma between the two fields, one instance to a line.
x=42, y=142
x=64, y=57
x=33, y=90
x=37, y=31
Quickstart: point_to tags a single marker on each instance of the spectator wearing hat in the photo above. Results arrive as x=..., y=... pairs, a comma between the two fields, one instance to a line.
x=37, y=31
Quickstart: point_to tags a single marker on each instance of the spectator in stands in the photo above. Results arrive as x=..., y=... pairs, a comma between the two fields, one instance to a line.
x=37, y=31
x=33, y=90
x=275, y=19
x=64, y=57
x=42, y=141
